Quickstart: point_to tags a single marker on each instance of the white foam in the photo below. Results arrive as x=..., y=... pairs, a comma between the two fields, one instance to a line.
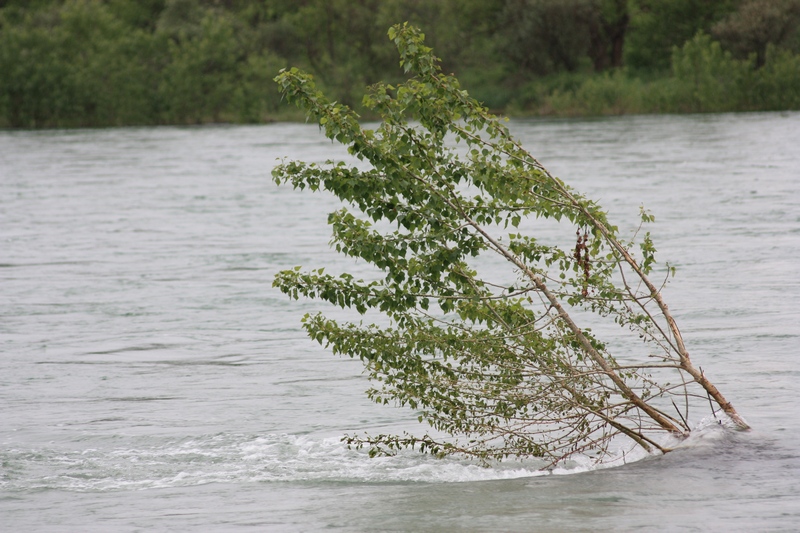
x=289, y=457
x=243, y=458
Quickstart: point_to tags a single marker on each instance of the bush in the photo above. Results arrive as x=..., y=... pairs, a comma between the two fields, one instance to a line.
x=70, y=63
x=34, y=87
x=710, y=77
x=76, y=66
x=254, y=98
x=776, y=86
x=200, y=76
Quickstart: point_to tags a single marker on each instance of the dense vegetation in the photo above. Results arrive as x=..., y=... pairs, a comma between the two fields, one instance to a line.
x=113, y=62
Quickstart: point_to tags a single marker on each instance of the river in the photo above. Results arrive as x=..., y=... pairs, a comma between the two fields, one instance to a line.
x=151, y=379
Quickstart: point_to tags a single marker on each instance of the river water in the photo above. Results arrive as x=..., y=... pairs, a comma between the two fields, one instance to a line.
x=151, y=379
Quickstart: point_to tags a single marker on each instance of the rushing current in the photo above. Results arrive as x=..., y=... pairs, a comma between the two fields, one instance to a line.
x=152, y=379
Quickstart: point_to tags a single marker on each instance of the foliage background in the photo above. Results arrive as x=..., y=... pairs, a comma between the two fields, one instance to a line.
x=72, y=63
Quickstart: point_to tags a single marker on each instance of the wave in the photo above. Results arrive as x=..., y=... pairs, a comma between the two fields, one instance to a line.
x=227, y=458
x=241, y=458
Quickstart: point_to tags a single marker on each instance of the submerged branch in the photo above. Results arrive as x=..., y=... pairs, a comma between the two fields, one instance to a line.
x=470, y=353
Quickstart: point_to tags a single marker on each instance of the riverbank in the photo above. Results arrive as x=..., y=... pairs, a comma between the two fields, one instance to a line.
x=703, y=79
x=85, y=63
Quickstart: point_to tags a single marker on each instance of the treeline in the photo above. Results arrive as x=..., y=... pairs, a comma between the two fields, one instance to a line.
x=67, y=63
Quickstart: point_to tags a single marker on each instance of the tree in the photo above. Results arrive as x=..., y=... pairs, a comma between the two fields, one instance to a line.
x=545, y=36
x=498, y=366
x=712, y=78
x=202, y=71
x=757, y=24
x=74, y=65
x=657, y=26
x=607, y=33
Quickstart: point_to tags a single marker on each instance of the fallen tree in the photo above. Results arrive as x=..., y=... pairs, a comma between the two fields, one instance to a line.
x=499, y=365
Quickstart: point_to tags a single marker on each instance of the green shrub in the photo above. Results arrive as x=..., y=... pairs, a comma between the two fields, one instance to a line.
x=201, y=73
x=776, y=86
x=35, y=85
x=72, y=63
x=254, y=98
x=76, y=66
x=710, y=79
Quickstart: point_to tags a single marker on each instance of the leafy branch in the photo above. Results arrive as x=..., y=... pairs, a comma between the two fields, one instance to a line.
x=498, y=369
